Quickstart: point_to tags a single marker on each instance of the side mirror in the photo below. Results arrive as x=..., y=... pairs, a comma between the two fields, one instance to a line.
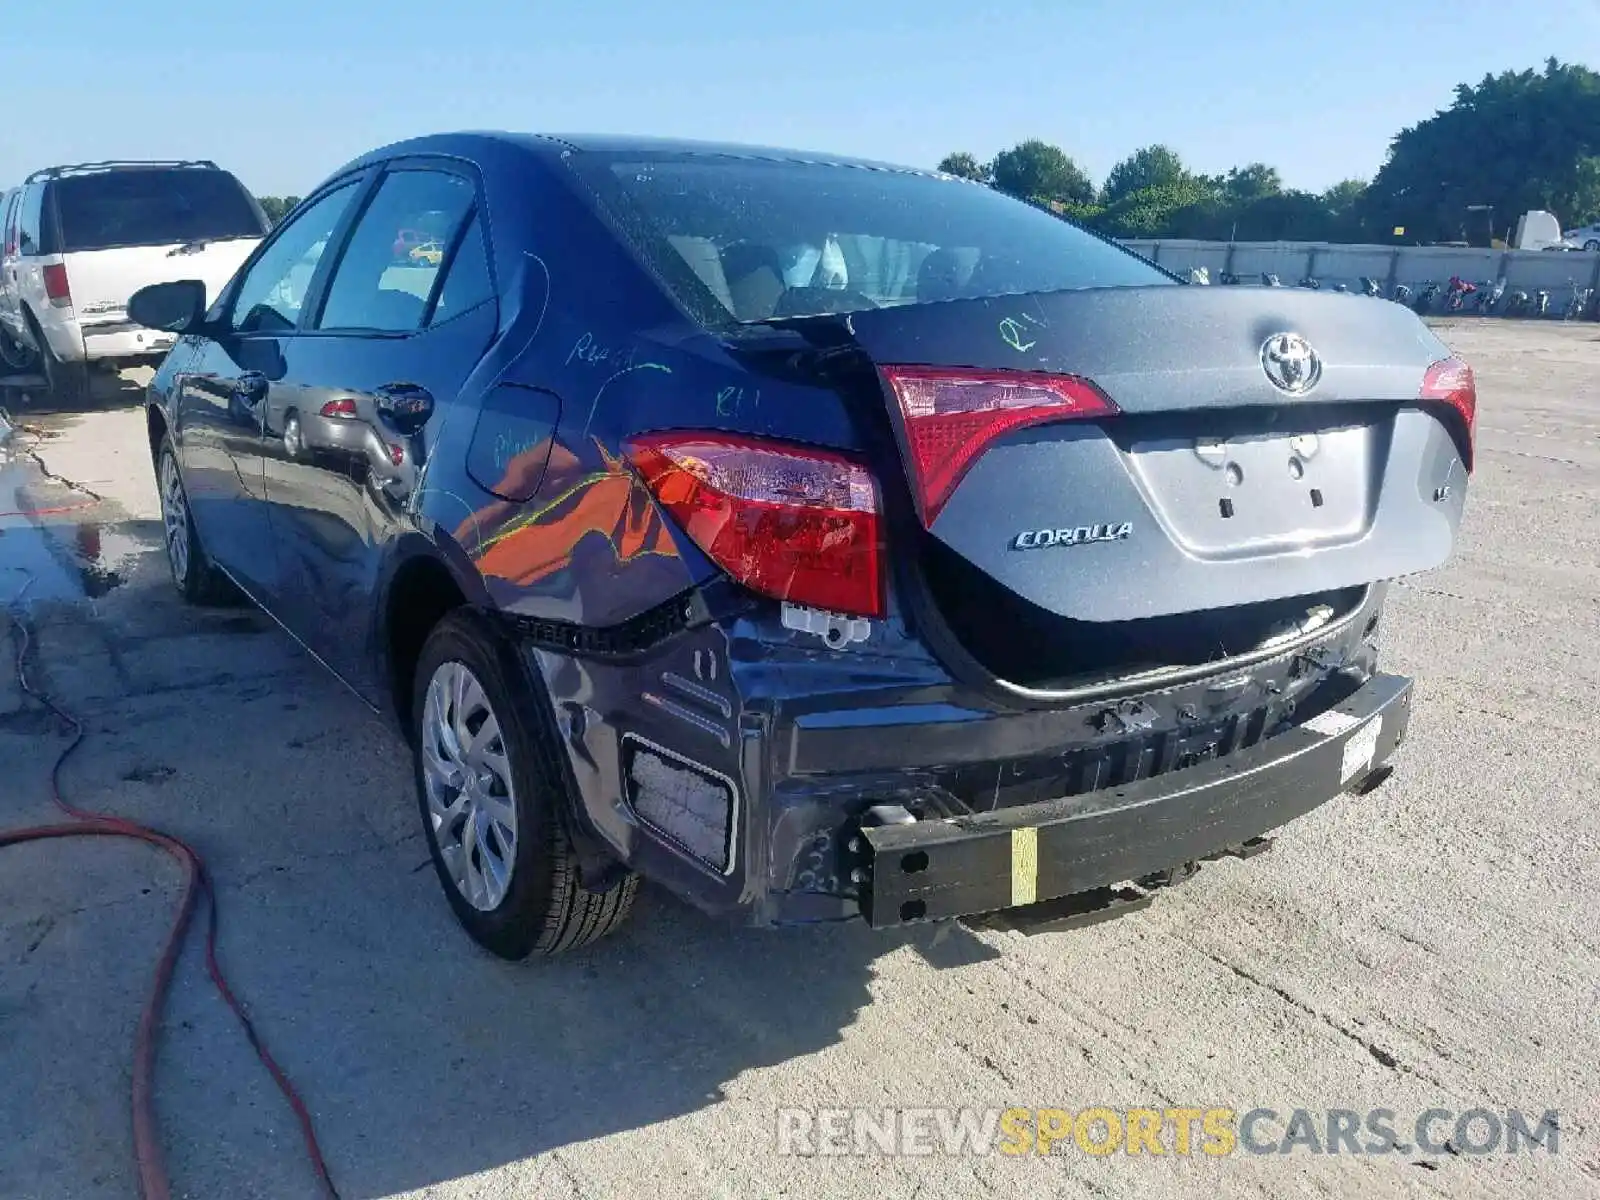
x=176, y=307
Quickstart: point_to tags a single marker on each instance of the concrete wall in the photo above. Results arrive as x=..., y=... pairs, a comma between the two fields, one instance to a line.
x=1559, y=272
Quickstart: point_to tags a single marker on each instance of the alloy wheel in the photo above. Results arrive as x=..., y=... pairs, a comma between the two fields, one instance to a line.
x=467, y=779
x=175, y=517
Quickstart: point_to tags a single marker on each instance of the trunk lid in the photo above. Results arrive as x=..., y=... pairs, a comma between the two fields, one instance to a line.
x=1209, y=486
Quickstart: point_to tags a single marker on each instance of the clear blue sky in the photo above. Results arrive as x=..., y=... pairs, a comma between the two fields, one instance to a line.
x=284, y=91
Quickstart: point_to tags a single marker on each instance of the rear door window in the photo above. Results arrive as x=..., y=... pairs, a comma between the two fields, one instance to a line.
x=467, y=282
x=385, y=278
x=152, y=206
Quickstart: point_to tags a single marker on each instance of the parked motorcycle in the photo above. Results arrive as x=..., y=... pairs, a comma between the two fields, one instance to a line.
x=1456, y=293
x=1402, y=294
x=1269, y=280
x=1488, y=300
x=1227, y=277
x=1426, y=298
x=1309, y=282
x=1578, y=306
x=1518, y=304
x=1370, y=286
x=1541, y=303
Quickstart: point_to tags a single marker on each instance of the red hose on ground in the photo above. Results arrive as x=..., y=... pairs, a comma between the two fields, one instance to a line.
x=153, y=1181
x=55, y=511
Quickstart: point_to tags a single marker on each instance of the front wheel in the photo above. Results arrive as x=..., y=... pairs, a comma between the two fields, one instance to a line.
x=491, y=791
x=196, y=579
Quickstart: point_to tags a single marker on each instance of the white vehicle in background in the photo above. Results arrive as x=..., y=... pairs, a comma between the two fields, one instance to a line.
x=1539, y=230
x=79, y=240
x=1585, y=237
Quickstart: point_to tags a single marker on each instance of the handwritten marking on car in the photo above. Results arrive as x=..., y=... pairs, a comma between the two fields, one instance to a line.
x=508, y=446
x=731, y=399
x=595, y=406
x=1011, y=335
x=587, y=350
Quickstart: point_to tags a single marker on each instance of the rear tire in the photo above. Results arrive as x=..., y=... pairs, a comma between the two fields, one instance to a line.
x=13, y=354
x=197, y=580
x=491, y=798
x=65, y=382
x=294, y=442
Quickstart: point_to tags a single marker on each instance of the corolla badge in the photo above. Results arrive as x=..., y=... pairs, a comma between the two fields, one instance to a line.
x=1290, y=363
x=1040, y=539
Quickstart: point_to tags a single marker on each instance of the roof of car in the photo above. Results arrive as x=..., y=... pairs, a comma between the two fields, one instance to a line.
x=463, y=143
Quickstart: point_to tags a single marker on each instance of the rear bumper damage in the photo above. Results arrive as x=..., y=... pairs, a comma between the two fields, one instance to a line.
x=926, y=870
x=738, y=762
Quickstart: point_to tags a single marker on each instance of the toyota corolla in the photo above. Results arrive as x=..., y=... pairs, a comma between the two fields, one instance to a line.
x=821, y=539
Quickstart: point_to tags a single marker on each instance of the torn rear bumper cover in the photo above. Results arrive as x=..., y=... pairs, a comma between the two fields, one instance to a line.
x=968, y=865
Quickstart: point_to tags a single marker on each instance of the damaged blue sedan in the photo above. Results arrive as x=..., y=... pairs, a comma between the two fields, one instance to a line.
x=820, y=539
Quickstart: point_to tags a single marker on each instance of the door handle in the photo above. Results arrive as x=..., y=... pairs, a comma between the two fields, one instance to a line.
x=404, y=407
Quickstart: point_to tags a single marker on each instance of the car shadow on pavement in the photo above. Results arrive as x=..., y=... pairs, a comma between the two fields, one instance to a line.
x=427, y=1060
x=423, y=1059
x=441, y=1072
x=24, y=394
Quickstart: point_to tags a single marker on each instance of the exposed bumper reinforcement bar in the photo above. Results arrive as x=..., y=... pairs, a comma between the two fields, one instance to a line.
x=1020, y=857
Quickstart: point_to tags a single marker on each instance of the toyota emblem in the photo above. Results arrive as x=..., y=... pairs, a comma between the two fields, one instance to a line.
x=1290, y=363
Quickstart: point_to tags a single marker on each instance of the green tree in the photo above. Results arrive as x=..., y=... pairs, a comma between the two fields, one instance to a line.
x=1517, y=140
x=277, y=207
x=1252, y=182
x=965, y=166
x=1151, y=167
x=1035, y=170
x=1577, y=192
x=1153, y=211
x=1345, y=197
x=1291, y=216
x=1347, y=206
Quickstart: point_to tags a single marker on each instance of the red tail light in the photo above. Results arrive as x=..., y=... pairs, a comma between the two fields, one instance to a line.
x=952, y=415
x=1450, y=381
x=56, y=286
x=339, y=408
x=789, y=522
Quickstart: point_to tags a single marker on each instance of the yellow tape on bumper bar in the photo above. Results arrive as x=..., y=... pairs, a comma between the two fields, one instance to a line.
x=1024, y=866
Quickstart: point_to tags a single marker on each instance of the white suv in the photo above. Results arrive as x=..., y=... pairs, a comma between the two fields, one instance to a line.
x=79, y=240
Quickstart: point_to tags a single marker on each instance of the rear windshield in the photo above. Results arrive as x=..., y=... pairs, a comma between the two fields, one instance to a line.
x=751, y=239
x=152, y=207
